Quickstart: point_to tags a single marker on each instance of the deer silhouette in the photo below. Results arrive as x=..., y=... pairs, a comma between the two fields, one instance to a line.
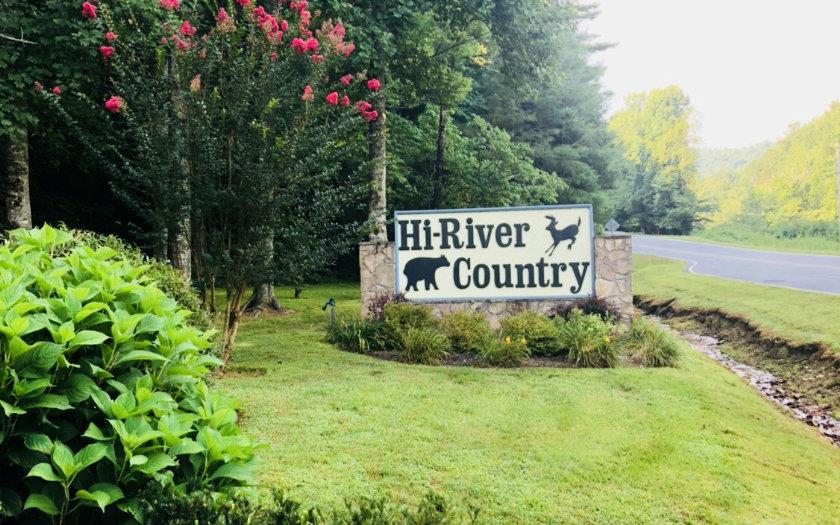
x=569, y=233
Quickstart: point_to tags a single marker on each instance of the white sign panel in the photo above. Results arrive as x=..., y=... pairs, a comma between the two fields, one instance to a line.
x=536, y=253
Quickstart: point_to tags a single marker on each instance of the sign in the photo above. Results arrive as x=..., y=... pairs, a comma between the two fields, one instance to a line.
x=487, y=254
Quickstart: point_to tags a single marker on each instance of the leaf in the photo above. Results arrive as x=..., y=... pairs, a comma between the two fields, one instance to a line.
x=140, y=355
x=25, y=388
x=124, y=405
x=156, y=462
x=9, y=410
x=54, y=401
x=95, y=433
x=88, y=338
x=62, y=458
x=42, y=503
x=186, y=446
x=44, y=471
x=44, y=355
x=139, y=459
x=89, y=455
x=38, y=442
x=233, y=471
x=78, y=387
x=10, y=503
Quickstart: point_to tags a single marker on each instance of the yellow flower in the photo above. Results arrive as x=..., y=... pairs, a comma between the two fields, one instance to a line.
x=507, y=340
x=522, y=341
x=606, y=339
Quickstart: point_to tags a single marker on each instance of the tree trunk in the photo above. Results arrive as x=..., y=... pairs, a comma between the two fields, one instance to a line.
x=437, y=175
x=233, y=314
x=263, y=299
x=16, y=160
x=180, y=236
x=298, y=291
x=378, y=174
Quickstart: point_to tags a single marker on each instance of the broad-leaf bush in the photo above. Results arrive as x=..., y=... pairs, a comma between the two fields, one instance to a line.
x=101, y=387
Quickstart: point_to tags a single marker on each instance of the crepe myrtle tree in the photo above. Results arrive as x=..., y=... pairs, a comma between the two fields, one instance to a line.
x=268, y=107
x=259, y=105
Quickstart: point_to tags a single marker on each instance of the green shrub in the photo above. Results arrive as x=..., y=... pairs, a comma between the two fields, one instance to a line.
x=428, y=346
x=587, y=339
x=402, y=316
x=588, y=305
x=159, y=273
x=362, y=336
x=101, y=387
x=507, y=352
x=539, y=332
x=172, y=508
x=650, y=345
x=466, y=331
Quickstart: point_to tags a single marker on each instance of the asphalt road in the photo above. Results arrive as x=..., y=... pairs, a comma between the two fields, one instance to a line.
x=815, y=273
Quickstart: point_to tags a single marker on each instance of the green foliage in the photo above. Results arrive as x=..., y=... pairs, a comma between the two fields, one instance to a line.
x=101, y=386
x=588, y=340
x=423, y=345
x=588, y=305
x=504, y=352
x=540, y=334
x=402, y=316
x=160, y=273
x=655, y=131
x=172, y=508
x=361, y=336
x=788, y=191
x=467, y=331
x=650, y=345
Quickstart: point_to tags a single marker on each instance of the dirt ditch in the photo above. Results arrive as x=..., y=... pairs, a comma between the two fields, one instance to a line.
x=804, y=379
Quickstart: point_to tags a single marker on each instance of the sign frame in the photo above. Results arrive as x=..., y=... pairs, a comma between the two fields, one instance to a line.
x=587, y=208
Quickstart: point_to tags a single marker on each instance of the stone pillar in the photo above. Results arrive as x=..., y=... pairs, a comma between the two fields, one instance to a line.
x=613, y=280
x=614, y=271
x=376, y=265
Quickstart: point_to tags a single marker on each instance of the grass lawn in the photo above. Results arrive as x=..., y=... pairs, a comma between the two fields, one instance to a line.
x=794, y=315
x=691, y=444
x=763, y=241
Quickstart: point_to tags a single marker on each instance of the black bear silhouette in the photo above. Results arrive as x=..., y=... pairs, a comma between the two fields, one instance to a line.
x=423, y=269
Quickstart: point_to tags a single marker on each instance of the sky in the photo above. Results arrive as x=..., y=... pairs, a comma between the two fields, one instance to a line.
x=750, y=67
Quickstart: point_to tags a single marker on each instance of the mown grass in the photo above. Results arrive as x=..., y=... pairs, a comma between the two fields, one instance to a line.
x=765, y=241
x=690, y=444
x=797, y=316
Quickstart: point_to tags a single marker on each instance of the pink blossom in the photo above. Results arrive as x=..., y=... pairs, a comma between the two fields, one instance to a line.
x=56, y=91
x=370, y=116
x=307, y=94
x=183, y=45
x=317, y=58
x=346, y=79
x=243, y=3
x=171, y=5
x=114, y=104
x=89, y=10
x=332, y=98
x=110, y=36
x=346, y=49
x=345, y=101
x=305, y=18
x=311, y=44
x=299, y=45
x=222, y=16
x=187, y=29
x=273, y=56
x=107, y=51
x=298, y=6
x=363, y=106
x=374, y=84
x=163, y=41
x=284, y=26
x=39, y=88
